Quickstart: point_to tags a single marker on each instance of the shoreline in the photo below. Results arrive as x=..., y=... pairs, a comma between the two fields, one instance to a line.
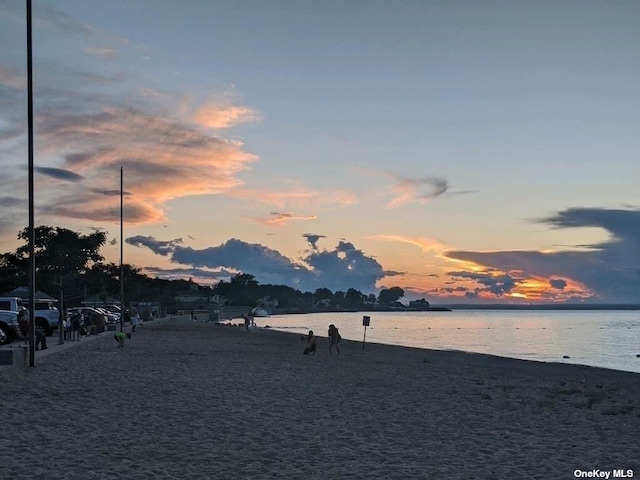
x=193, y=400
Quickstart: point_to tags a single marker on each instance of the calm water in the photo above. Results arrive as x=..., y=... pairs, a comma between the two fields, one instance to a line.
x=609, y=338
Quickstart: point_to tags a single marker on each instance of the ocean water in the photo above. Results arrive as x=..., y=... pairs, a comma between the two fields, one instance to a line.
x=599, y=338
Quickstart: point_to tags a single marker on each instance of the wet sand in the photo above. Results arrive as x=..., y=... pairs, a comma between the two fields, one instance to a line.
x=188, y=400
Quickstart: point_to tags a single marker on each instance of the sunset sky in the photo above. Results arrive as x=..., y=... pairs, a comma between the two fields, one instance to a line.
x=466, y=151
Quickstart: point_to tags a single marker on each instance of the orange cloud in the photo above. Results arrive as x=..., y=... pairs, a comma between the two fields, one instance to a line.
x=163, y=158
x=297, y=198
x=419, y=190
x=425, y=244
x=278, y=219
x=218, y=116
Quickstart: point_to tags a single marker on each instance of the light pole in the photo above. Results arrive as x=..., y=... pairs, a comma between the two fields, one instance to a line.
x=121, y=253
x=32, y=235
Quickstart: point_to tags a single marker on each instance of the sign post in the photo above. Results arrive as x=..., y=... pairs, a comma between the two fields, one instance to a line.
x=365, y=322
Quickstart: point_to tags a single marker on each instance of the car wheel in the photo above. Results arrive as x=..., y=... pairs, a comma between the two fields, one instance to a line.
x=5, y=334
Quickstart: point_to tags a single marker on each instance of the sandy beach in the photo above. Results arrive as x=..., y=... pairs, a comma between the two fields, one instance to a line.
x=188, y=400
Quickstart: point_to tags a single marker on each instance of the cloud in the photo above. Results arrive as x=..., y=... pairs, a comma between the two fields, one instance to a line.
x=198, y=275
x=218, y=116
x=59, y=174
x=159, y=154
x=607, y=272
x=313, y=238
x=558, y=283
x=61, y=20
x=427, y=245
x=90, y=121
x=338, y=269
x=100, y=52
x=9, y=201
x=421, y=190
x=160, y=247
x=496, y=284
x=345, y=267
x=12, y=79
x=279, y=219
x=294, y=198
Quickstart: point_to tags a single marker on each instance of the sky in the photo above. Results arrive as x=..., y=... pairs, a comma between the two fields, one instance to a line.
x=465, y=151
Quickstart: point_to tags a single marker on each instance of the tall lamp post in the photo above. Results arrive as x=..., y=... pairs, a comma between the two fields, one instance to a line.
x=32, y=235
x=121, y=253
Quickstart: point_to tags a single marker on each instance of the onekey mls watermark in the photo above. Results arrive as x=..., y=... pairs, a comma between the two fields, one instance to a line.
x=606, y=474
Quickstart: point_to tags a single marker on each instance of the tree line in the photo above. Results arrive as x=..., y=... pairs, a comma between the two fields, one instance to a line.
x=69, y=265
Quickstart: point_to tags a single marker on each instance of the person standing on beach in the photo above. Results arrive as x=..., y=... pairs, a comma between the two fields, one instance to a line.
x=247, y=322
x=41, y=339
x=76, y=323
x=334, y=339
x=24, y=325
x=310, y=347
x=135, y=319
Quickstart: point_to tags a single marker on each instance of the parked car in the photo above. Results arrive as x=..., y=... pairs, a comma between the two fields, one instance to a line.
x=111, y=318
x=86, y=312
x=46, y=314
x=8, y=326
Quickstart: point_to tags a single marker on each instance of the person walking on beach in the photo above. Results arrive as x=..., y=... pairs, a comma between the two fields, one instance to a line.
x=119, y=337
x=310, y=347
x=76, y=323
x=334, y=339
x=135, y=319
x=41, y=339
x=247, y=322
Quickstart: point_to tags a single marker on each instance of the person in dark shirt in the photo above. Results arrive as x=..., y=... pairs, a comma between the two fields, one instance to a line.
x=310, y=347
x=334, y=339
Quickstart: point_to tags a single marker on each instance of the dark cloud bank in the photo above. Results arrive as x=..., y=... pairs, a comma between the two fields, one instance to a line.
x=611, y=269
x=342, y=268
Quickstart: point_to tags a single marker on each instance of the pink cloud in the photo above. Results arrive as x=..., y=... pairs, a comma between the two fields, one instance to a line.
x=218, y=116
x=419, y=190
x=296, y=198
x=278, y=219
x=163, y=158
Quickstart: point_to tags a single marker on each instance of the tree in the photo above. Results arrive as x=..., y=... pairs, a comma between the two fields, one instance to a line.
x=354, y=298
x=242, y=289
x=390, y=296
x=60, y=255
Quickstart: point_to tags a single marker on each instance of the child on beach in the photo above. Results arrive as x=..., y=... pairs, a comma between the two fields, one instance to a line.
x=119, y=337
x=334, y=339
x=310, y=347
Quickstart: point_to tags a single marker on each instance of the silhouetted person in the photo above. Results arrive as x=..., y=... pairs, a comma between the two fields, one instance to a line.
x=310, y=347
